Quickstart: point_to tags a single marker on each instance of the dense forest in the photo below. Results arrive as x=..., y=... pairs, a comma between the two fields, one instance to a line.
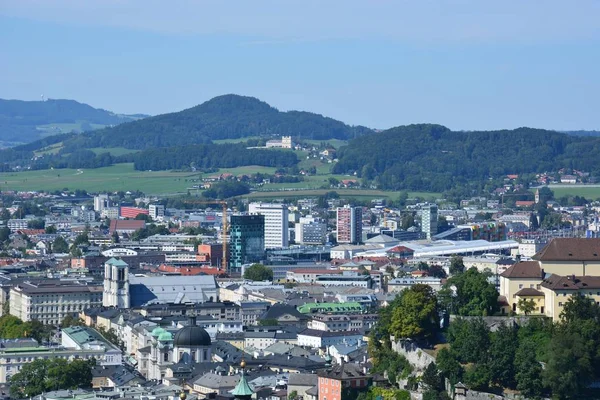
x=19, y=120
x=211, y=156
x=224, y=117
x=432, y=157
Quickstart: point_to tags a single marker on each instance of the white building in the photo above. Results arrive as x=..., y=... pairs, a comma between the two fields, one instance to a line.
x=156, y=211
x=51, y=301
x=276, y=223
x=15, y=353
x=101, y=202
x=320, y=339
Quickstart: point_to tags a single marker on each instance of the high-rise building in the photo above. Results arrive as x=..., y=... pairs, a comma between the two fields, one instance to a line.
x=246, y=240
x=156, y=211
x=276, y=223
x=101, y=202
x=349, y=224
x=429, y=220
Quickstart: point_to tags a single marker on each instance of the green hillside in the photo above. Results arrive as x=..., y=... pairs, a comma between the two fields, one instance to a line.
x=26, y=121
x=434, y=158
x=224, y=117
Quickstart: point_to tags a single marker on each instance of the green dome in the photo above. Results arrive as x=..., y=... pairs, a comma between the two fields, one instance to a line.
x=165, y=337
x=157, y=331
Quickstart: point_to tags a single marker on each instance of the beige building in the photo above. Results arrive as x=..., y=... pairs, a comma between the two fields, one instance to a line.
x=559, y=289
x=564, y=267
x=51, y=301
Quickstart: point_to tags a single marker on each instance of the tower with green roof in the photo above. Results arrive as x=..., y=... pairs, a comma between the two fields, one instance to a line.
x=243, y=391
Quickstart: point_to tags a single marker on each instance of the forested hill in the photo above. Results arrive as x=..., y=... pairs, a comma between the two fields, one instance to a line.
x=223, y=117
x=432, y=157
x=25, y=121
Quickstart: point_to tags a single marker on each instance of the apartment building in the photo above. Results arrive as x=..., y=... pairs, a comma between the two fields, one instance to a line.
x=276, y=223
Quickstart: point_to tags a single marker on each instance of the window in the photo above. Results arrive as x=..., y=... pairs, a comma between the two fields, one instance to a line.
x=520, y=286
x=166, y=357
x=560, y=304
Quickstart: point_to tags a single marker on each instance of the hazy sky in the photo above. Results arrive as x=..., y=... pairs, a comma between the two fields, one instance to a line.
x=464, y=64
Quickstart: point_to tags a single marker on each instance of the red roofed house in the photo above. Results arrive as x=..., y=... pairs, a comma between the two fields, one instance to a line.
x=524, y=203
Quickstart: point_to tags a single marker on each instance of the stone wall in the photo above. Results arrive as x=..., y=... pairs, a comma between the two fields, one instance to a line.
x=415, y=355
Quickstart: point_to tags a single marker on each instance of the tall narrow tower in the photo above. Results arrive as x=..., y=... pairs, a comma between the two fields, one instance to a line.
x=116, y=284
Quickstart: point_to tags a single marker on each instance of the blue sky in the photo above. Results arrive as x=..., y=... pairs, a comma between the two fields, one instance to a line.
x=463, y=64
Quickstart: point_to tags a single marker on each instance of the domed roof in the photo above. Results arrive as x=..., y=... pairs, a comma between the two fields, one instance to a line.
x=191, y=336
x=165, y=336
x=157, y=331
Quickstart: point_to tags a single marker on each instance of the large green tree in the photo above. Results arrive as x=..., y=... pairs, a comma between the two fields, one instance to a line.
x=472, y=294
x=415, y=316
x=60, y=245
x=502, y=355
x=258, y=272
x=45, y=375
x=470, y=340
x=528, y=371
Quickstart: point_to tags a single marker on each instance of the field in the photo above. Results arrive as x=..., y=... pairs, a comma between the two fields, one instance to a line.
x=113, y=178
x=115, y=151
x=590, y=192
x=124, y=177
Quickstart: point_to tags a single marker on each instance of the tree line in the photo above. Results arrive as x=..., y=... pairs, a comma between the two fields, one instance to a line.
x=434, y=158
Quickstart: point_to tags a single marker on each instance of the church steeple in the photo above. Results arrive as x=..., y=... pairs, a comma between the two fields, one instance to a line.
x=243, y=391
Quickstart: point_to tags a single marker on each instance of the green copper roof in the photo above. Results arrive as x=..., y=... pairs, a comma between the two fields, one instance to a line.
x=157, y=331
x=116, y=263
x=165, y=336
x=242, y=388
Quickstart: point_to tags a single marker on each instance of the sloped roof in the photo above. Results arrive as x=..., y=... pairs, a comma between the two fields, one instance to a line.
x=571, y=282
x=529, y=292
x=344, y=371
x=570, y=249
x=523, y=269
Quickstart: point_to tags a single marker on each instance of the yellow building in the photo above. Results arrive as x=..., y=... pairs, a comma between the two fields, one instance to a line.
x=564, y=260
x=570, y=256
x=559, y=289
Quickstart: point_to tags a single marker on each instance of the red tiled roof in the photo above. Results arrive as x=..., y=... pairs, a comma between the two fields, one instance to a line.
x=126, y=224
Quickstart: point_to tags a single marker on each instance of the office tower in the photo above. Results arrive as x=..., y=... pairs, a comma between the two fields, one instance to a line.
x=276, y=223
x=349, y=224
x=246, y=241
x=156, y=211
x=429, y=220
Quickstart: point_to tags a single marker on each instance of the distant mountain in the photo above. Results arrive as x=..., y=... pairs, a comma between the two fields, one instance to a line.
x=434, y=158
x=26, y=121
x=224, y=117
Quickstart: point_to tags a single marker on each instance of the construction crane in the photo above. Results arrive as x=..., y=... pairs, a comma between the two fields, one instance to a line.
x=224, y=228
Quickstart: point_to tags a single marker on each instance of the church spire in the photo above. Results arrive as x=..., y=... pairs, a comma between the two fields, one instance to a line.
x=243, y=391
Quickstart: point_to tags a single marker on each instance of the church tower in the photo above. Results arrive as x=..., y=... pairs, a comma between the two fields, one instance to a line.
x=116, y=284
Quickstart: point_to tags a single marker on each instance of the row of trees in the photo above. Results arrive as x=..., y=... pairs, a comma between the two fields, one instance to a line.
x=211, y=156
x=12, y=327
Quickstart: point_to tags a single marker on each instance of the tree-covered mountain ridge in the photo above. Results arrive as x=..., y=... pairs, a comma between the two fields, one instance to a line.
x=24, y=121
x=224, y=117
x=432, y=157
